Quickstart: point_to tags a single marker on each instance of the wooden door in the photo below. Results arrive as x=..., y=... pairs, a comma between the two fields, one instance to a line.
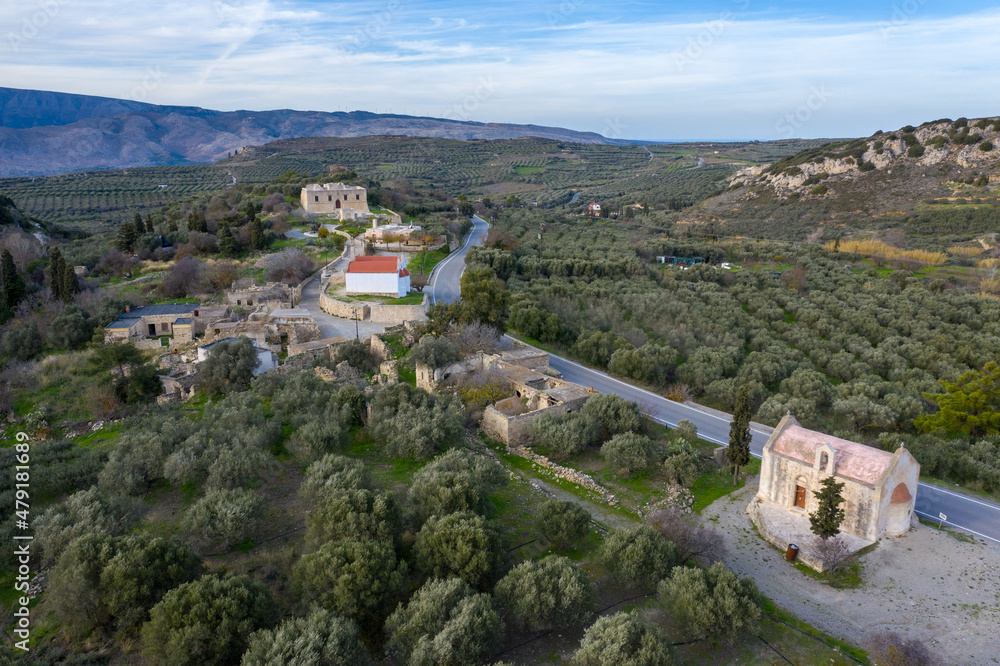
x=800, y=497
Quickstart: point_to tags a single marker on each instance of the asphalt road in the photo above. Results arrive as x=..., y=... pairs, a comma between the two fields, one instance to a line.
x=971, y=514
x=445, y=282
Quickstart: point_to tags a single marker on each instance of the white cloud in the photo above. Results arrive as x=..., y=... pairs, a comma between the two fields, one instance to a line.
x=730, y=76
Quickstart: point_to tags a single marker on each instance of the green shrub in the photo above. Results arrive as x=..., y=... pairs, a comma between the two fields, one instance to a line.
x=319, y=639
x=445, y=622
x=353, y=514
x=208, y=621
x=225, y=518
x=622, y=640
x=563, y=522
x=638, y=556
x=711, y=602
x=565, y=434
x=229, y=367
x=333, y=473
x=986, y=146
x=819, y=190
x=458, y=480
x=316, y=439
x=550, y=593
x=353, y=578
x=109, y=582
x=614, y=413
x=414, y=423
x=915, y=151
x=460, y=544
x=630, y=452
x=435, y=352
x=86, y=512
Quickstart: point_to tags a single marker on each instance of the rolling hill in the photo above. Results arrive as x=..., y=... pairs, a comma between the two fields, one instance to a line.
x=939, y=179
x=45, y=133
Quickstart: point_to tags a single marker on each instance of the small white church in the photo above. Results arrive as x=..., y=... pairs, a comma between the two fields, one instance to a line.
x=380, y=276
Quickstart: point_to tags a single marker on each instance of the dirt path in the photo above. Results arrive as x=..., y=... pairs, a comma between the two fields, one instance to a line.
x=926, y=584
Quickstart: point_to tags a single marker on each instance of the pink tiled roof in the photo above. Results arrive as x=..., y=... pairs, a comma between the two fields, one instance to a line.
x=853, y=460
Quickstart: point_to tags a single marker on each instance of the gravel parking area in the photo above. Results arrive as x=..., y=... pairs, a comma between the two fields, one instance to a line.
x=930, y=585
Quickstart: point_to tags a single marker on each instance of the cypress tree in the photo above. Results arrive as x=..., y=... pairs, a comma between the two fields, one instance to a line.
x=257, y=235
x=57, y=266
x=127, y=236
x=196, y=220
x=13, y=285
x=738, y=453
x=140, y=226
x=70, y=285
x=228, y=246
x=825, y=521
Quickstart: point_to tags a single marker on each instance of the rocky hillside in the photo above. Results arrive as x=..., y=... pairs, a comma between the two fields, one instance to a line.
x=45, y=133
x=945, y=167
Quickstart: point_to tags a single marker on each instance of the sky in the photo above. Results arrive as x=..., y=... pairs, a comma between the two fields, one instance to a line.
x=686, y=70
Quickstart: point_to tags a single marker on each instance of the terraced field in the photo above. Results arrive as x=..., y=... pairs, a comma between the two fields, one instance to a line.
x=544, y=171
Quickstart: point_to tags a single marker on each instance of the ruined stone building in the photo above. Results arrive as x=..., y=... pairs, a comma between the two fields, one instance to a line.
x=880, y=487
x=249, y=295
x=537, y=389
x=180, y=320
x=347, y=202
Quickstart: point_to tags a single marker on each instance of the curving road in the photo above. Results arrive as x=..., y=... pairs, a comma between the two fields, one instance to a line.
x=971, y=514
x=447, y=275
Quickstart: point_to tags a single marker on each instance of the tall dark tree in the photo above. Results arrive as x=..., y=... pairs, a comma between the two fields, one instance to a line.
x=11, y=281
x=738, y=453
x=57, y=269
x=140, y=226
x=826, y=519
x=196, y=220
x=257, y=240
x=70, y=284
x=127, y=237
x=228, y=245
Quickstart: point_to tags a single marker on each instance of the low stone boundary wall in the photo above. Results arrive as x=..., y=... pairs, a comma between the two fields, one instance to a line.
x=374, y=312
x=579, y=478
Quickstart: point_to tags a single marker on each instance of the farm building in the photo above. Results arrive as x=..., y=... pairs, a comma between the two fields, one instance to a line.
x=382, y=276
x=347, y=202
x=150, y=321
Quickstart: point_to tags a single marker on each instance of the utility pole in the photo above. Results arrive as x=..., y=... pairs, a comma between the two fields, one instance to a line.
x=357, y=331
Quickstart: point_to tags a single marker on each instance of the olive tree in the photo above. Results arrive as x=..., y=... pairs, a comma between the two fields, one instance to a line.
x=85, y=512
x=357, y=579
x=414, y=423
x=435, y=352
x=445, y=622
x=353, y=514
x=315, y=439
x=319, y=639
x=622, y=640
x=224, y=518
x=711, y=602
x=614, y=413
x=334, y=472
x=229, y=367
x=630, y=452
x=546, y=594
x=207, y=621
x=458, y=480
x=113, y=582
x=563, y=522
x=638, y=556
x=565, y=434
x=460, y=544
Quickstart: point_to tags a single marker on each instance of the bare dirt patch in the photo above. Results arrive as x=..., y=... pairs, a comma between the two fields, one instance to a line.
x=934, y=586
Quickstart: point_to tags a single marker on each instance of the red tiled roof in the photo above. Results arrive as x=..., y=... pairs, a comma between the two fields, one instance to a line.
x=374, y=265
x=404, y=272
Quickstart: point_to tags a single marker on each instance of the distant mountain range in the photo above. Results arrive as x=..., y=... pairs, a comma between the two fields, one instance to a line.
x=45, y=133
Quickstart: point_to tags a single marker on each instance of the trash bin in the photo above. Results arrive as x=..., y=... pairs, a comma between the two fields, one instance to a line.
x=792, y=552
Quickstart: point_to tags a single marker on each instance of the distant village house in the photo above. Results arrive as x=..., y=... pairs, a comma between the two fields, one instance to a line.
x=180, y=320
